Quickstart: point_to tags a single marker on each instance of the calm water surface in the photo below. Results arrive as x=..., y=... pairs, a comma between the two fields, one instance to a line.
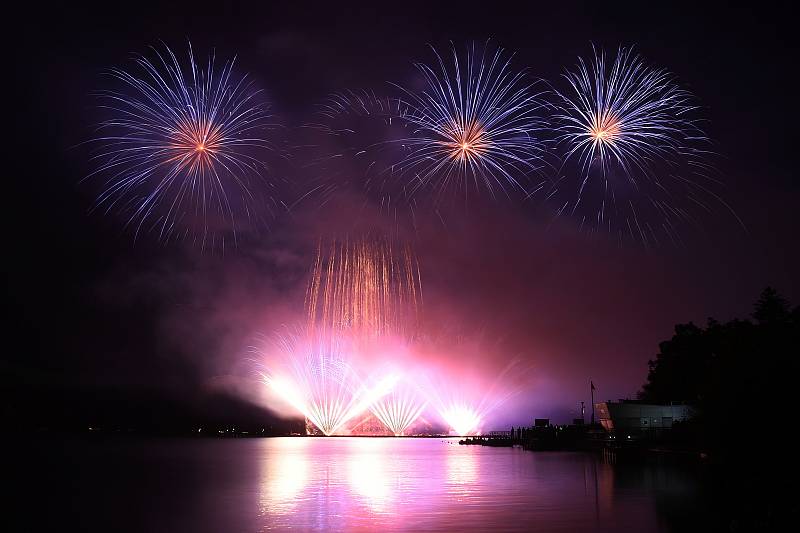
x=348, y=484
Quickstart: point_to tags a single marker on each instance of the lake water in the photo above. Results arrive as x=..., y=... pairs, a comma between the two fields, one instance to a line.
x=343, y=484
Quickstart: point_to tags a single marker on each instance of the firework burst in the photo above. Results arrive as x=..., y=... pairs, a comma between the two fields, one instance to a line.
x=176, y=152
x=476, y=125
x=625, y=114
x=641, y=155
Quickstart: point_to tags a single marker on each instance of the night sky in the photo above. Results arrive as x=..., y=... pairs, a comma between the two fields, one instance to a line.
x=95, y=314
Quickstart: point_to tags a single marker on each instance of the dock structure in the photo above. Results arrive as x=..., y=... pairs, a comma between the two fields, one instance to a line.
x=542, y=436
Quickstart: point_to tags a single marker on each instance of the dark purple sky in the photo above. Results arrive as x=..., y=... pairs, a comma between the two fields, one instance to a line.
x=91, y=308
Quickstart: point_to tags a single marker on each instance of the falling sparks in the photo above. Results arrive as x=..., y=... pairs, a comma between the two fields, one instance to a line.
x=365, y=289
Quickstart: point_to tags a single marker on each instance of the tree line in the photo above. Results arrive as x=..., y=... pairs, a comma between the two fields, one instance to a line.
x=739, y=375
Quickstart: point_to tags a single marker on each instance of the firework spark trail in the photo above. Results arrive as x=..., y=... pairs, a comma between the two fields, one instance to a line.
x=399, y=409
x=481, y=126
x=317, y=381
x=176, y=146
x=359, y=104
x=365, y=289
x=630, y=128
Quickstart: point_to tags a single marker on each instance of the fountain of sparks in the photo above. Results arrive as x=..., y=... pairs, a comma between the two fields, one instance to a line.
x=318, y=382
x=361, y=294
x=399, y=409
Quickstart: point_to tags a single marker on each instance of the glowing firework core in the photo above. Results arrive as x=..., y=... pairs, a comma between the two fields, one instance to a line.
x=195, y=143
x=466, y=143
x=462, y=419
x=605, y=128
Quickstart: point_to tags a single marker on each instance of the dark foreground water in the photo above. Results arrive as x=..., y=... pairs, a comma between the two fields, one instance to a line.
x=366, y=484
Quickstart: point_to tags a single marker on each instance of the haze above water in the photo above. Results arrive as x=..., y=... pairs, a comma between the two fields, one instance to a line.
x=251, y=485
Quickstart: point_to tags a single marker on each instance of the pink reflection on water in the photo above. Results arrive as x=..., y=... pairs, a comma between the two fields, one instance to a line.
x=390, y=484
x=462, y=469
x=368, y=478
x=284, y=474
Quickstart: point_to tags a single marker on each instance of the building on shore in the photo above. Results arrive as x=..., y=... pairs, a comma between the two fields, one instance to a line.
x=633, y=417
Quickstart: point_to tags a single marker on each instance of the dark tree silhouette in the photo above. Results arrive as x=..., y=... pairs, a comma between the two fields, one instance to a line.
x=771, y=308
x=741, y=377
x=738, y=374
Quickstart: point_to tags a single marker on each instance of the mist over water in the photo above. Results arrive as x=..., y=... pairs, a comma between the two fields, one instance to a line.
x=344, y=483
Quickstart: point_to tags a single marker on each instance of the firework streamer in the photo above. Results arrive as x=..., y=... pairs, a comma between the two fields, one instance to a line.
x=364, y=289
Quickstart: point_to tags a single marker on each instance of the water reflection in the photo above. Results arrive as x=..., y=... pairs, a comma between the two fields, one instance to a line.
x=603, y=475
x=352, y=483
x=284, y=475
x=367, y=474
x=462, y=469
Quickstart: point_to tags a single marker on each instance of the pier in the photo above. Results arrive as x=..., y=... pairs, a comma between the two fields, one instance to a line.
x=543, y=437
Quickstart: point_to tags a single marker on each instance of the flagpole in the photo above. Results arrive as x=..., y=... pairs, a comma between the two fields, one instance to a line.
x=591, y=388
